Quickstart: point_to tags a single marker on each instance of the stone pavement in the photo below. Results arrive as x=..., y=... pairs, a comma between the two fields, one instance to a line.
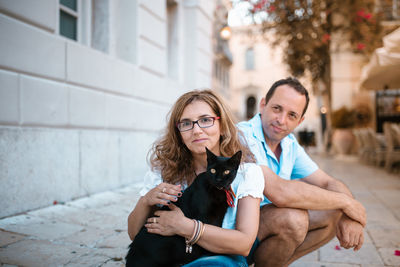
x=92, y=231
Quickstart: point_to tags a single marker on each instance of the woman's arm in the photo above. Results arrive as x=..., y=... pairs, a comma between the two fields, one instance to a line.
x=161, y=194
x=240, y=240
x=215, y=239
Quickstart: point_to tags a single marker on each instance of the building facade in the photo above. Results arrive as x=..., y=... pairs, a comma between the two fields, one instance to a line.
x=257, y=65
x=85, y=87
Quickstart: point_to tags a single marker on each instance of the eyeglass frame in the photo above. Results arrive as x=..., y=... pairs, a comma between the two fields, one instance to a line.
x=197, y=122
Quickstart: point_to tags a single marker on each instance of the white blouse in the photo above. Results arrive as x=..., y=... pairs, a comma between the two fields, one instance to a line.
x=249, y=181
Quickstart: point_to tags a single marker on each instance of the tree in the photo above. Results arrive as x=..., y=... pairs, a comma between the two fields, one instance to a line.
x=307, y=28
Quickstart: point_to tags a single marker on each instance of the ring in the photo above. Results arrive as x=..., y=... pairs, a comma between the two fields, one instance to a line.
x=154, y=220
x=163, y=190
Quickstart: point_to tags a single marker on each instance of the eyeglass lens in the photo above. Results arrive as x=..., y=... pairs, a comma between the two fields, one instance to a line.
x=186, y=125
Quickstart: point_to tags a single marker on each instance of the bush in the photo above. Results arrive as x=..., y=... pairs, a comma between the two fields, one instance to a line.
x=343, y=118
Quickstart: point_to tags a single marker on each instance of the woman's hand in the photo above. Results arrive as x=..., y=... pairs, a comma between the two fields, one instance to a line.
x=163, y=194
x=168, y=223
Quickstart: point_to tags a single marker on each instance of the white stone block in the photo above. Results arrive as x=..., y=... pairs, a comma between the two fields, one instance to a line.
x=203, y=80
x=204, y=62
x=135, y=114
x=156, y=6
x=42, y=12
x=152, y=57
x=153, y=87
x=92, y=68
x=28, y=49
x=86, y=107
x=37, y=167
x=123, y=77
x=203, y=22
x=207, y=7
x=99, y=169
x=43, y=102
x=152, y=28
x=154, y=116
x=133, y=152
x=204, y=43
x=120, y=112
x=124, y=31
x=9, y=97
x=173, y=90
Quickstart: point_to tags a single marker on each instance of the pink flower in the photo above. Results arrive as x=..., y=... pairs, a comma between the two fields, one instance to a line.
x=271, y=8
x=360, y=46
x=361, y=13
x=368, y=16
x=326, y=37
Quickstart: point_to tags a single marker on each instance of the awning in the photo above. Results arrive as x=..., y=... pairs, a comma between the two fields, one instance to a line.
x=383, y=70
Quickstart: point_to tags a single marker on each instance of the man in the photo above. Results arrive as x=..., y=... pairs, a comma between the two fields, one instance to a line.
x=303, y=216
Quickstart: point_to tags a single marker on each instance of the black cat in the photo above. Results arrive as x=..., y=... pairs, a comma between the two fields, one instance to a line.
x=206, y=199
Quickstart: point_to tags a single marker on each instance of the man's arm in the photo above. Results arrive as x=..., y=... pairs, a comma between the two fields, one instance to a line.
x=349, y=232
x=321, y=179
x=297, y=194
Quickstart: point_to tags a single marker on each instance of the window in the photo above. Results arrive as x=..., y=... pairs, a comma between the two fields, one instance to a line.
x=74, y=20
x=250, y=107
x=69, y=19
x=123, y=29
x=250, y=59
x=100, y=25
x=173, y=39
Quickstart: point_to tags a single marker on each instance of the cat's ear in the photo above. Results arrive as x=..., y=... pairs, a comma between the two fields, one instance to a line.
x=210, y=155
x=236, y=158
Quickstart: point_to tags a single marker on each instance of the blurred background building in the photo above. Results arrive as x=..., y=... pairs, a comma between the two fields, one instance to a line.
x=355, y=84
x=257, y=65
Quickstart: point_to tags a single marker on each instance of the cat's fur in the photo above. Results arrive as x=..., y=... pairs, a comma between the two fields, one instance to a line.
x=204, y=200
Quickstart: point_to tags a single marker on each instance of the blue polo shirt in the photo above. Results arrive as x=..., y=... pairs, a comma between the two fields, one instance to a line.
x=294, y=163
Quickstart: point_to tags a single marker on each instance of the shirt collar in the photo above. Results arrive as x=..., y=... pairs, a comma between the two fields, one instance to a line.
x=256, y=124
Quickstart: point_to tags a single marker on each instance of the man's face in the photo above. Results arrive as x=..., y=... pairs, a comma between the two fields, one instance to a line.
x=282, y=114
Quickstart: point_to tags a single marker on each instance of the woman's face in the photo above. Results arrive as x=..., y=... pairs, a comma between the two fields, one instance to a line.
x=197, y=139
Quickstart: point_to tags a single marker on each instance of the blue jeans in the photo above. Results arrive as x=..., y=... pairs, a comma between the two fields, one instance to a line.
x=219, y=261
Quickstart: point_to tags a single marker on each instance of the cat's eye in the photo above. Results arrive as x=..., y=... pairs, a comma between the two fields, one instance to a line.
x=227, y=171
x=213, y=171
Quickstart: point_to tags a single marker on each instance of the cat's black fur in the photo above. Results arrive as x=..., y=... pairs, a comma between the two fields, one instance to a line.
x=204, y=200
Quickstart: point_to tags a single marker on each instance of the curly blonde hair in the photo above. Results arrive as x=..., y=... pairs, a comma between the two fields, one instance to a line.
x=170, y=156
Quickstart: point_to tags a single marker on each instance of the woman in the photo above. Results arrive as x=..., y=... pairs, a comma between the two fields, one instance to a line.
x=198, y=120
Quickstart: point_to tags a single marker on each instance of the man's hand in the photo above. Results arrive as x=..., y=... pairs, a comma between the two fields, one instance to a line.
x=350, y=233
x=356, y=211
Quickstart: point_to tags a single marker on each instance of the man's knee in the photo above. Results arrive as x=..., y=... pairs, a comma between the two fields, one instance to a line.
x=324, y=219
x=295, y=224
x=288, y=223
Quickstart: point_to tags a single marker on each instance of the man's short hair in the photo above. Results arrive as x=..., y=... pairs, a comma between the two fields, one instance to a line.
x=295, y=84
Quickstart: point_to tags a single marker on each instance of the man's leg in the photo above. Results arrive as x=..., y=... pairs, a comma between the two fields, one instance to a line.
x=281, y=231
x=287, y=234
x=322, y=228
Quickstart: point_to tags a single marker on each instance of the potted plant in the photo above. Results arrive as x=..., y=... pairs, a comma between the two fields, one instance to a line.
x=343, y=120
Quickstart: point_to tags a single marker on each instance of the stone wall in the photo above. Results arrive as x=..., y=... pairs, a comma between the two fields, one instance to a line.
x=78, y=117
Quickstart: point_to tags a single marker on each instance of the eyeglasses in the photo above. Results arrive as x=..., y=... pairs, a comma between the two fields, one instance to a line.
x=187, y=125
